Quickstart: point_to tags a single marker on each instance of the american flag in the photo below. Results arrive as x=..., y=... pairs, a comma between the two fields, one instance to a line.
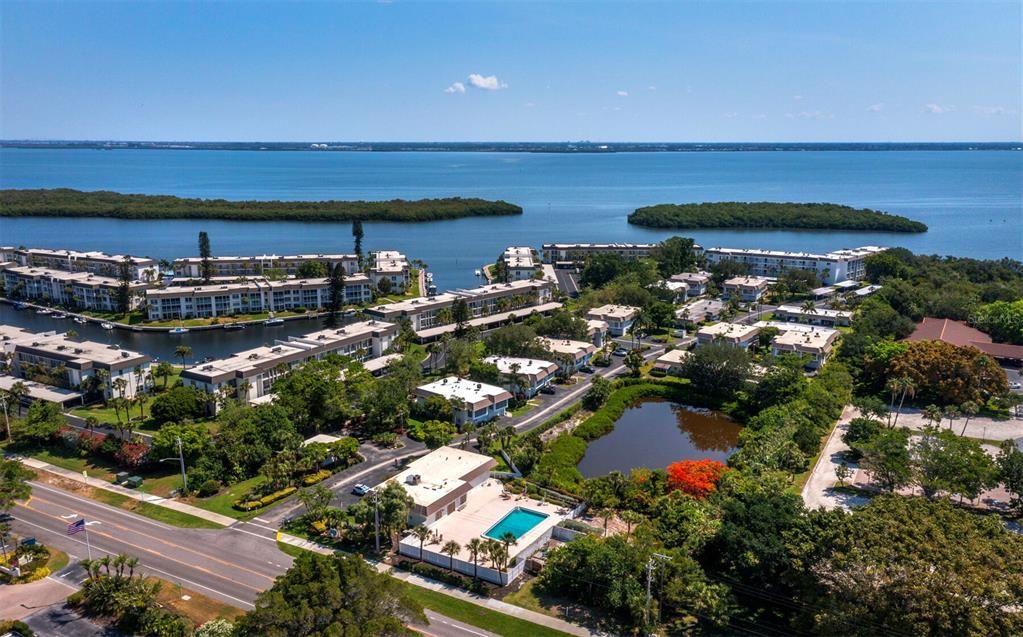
x=76, y=526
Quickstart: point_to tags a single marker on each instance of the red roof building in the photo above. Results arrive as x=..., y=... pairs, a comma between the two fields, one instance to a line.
x=961, y=334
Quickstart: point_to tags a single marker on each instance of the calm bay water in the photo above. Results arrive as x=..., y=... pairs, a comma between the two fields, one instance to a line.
x=656, y=433
x=972, y=201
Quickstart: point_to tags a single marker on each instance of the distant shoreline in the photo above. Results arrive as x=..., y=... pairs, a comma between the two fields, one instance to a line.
x=770, y=215
x=67, y=202
x=515, y=147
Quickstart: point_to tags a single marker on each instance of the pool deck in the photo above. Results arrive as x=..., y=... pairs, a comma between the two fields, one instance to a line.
x=484, y=508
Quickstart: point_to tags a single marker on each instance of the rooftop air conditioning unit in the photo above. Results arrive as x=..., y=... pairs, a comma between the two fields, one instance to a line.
x=413, y=479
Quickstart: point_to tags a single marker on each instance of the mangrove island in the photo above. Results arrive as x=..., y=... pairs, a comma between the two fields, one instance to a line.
x=771, y=215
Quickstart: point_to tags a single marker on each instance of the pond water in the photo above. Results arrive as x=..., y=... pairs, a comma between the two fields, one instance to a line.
x=655, y=433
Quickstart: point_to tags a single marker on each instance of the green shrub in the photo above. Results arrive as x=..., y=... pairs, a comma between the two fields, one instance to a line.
x=251, y=505
x=208, y=488
x=313, y=478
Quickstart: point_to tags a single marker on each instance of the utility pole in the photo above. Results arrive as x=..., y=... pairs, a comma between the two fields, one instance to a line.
x=651, y=565
x=376, y=518
x=181, y=457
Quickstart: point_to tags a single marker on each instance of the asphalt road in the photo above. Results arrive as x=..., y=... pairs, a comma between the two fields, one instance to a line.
x=232, y=565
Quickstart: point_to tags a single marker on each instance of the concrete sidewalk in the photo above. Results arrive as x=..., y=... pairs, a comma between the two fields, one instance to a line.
x=433, y=585
x=96, y=483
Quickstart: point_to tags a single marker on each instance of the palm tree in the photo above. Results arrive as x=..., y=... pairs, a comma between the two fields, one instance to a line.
x=968, y=409
x=183, y=352
x=497, y=554
x=908, y=387
x=932, y=414
x=630, y=517
x=104, y=382
x=808, y=307
x=476, y=547
x=422, y=534
x=451, y=549
x=951, y=411
x=508, y=539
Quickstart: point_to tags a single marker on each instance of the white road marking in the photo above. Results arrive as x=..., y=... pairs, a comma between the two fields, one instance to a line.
x=261, y=520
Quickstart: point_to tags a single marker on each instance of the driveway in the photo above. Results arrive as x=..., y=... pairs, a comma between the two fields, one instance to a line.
x=978, y=427
x=21, y=600
x=819, y=491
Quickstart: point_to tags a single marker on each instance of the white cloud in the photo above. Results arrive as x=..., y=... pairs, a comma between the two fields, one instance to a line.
x=797, y=98
x=731, y=115
x=760, y=116
x=456, y=87
x=486, y=82
x=809, y=115
x=875, y=108
x=993, y=110
x=938, y=109
x=623, y=93
x=651, y=88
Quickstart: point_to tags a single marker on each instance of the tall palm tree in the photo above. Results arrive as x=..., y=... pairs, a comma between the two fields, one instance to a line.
x=476, y=547
x=969, y=409
x=451, y=549
x=908, y=387
x=422, y=534
x=183, y=352
x=932, y=414
x=808, y=307
x=508, y=539
x=631, y=518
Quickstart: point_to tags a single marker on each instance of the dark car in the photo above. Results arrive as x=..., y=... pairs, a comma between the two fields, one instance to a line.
x=587, y=369
x=546, y=389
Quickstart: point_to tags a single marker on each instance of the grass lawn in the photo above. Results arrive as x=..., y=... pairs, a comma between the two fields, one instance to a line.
x=160, y=481
x=477, y=615
x=223, y=502
x=58, y=559
x=526, y=406
x=198, y=608
x=107, y=415
x=152, y=511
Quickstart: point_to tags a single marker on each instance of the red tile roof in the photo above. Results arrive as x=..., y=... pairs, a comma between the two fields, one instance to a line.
x=961, y=334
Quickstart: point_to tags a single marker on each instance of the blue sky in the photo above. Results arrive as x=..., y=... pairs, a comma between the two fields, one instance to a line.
x=429, y=71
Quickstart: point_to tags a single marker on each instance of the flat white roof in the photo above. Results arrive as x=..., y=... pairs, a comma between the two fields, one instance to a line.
x=526, y=366
x=598, y=246
x=748, y=281
x=469, y=391
x=622, y=312
x=490, y=319
x=320, y=438
x=795, y=309
x=270, y=257
x=695, y=277
x=736, y=331
x=83, y=278
x=836, y=255
x=674, y=357
x=785, y=326
x=440, y=472
x=814, y=341
x=39, y=391
x=568, y=346
x=59, y=346
x=94, y=255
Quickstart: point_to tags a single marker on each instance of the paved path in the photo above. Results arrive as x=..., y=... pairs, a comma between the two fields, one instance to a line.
x=96, y=483
x=978, y=427
x=21, y=600
x=424, y=582
x=819, y=488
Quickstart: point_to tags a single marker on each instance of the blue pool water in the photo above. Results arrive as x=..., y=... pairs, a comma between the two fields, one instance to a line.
x=518, y=523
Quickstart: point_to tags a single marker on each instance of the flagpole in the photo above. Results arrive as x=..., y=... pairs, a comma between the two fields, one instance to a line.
x=87, y=544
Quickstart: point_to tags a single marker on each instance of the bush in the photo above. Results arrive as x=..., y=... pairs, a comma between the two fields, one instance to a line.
x=386, y=439
x=132, y=455
x=313, y=478
x=443, y=575
x=250, y=505
x=21, y=628
x=208, y=488
x=177, y=404
x=582, y=527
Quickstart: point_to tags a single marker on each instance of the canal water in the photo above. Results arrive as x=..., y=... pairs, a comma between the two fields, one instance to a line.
x=655, y=433
x=215, y=343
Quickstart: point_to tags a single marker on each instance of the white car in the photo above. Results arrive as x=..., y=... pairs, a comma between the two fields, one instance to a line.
x=1015, y=386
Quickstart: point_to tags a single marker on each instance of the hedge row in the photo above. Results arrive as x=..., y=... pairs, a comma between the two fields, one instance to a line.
x=252, y=505
x=443, y=575
x=557, y=466
x=314, y=478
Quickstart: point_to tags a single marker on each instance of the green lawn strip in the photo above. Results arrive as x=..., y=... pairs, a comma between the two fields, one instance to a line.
x=460, y=609
x=485, y=618
x=223, y=502
x=58, y=559
x=153, y=511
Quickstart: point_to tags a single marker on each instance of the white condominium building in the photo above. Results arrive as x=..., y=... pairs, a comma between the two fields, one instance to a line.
x=816, y=343
x=747, y=289
x=573, y=254
x=249, y=375
x=830, y=267
x=76, y=361
x=619, y=318
x=73, y=290
x=428, y=312
x=570, y=354
x=732, y=334
x=392, y=265
x=261, y=264
x=475, y=402
x=533, y=374
x=252, y=296
x=101, y=263
x=519, y=263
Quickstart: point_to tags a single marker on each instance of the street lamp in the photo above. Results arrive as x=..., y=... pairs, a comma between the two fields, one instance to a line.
x=181, y=459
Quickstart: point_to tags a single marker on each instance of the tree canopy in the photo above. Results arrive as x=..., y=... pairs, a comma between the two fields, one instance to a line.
x=767, y=214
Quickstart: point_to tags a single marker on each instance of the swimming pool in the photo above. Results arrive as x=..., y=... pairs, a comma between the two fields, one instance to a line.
x=517, y=522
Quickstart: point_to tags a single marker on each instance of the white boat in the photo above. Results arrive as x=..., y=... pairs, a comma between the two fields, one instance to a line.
x=79, y=320
x=273, y=321
x=59, y=316
x=178, y=330
x=106, y=326
x=44, y=312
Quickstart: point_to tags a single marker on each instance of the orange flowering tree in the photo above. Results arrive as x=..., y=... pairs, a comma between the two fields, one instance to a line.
x=698, y=478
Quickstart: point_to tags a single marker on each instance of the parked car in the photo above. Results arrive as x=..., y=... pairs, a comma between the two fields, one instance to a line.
x=587, y=369
x=620, y=351
x=603, y=361
x=1015, y=386
x=361, y=490
x=546, y=389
